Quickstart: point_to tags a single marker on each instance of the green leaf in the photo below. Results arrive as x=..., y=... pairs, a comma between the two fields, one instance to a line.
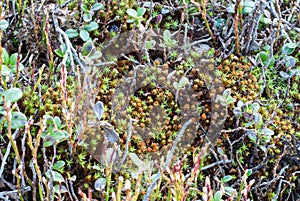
x=58, y=165
x=220, y=22
x=295, y=72
x=55, y=137
x=289, y=48
x=246, y=10
x=91, y=26
x=284, y=75
x=258, y=120
x=150, y=44
x=130, y=21
x=183, y=81
x=12, y=94
x=138, y=162
x=3, y=24
x=290, y=61
x=87, y=17
x=5, y=57
x=248, y=172
x=267, y=131
x=100, y=184
x=59, y=52
x=99, y=110
x=230, y=100
x=218, y=196
x=167, y=35
x=84, y=8
x=252, y=136
x=226, y=93
x=264, y=58
x=57, y=177
x=175, y=85
x=72, y=33
x=226, y=178
x=267, y=47
x=13, y=59
x=97, y=6
x=265, y=20
x=289, y=106
x=57, y=122
x=95, y=55
x=87, y=48
x=132, y=13
x=18, y=120
x=229, y=191
x=84, y=34
x=5, y=71
x=141, y=11
x=254, y=107
x=60, y=189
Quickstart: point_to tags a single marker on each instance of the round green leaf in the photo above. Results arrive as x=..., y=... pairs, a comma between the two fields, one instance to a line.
x=87, y=17
x=3, y=24
x=264, y=58
x=97, y=6
x=229, y=190
x=72, y=33
x=218, y=196
x=5, y=71
x=55, y=137
x=56, y=176
x=13, y=94
x=100, y=184
x=226, y=178
x=288, y=48
x=220, y=22
x=91, y=26
x=18, y=120
x=290, y=61
x=132, y=13
x=183, y=81
x=95, y=55
x=84, y=8
x=248, y=172
x=84, y=35
x=58, y=165
x=13, y=59
x=5, y=57
x=87, y=48
x=246, y=10
x=57, y=121
x=141, y=11
x=167, y=35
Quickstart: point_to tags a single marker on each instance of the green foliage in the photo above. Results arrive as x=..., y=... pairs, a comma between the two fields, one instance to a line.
x=10, y=63
x=54, y=132
x=136, y=15
x=89, y=25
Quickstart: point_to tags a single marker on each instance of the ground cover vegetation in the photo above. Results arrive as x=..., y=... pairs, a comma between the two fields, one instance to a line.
x=91, y=91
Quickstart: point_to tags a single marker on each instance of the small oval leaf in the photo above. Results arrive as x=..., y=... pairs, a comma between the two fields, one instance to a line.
x=13, y=94
x=72, y=33
x=3, y=24
x=100, y=184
